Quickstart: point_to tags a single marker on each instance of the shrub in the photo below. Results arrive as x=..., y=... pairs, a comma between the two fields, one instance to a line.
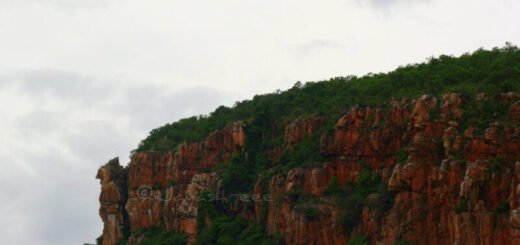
x=296, y=195
x=122, y=242
x=155, y=236
x=233, y=230
x=99, y=240
x=401, y=242
x=502, y=208
x=237, y=175
x=332, y=187
x=461, y=207
x=171, y=183
x=225, y=240
x=402, y=156
x=497, y=165
x=311, y=213
x=358, y=240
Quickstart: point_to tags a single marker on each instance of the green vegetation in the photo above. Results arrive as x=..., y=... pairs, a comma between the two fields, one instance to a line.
x=332, y=187
x=401, y=242
x=502, y=208
x=227, y=230
x=358, y=240
x=155, y=236
x=480, y=114
x=120, y=242
x=171, y=183
x=402, y=156
x=461, y=207
x=237, y=176
x=496, y=165
x=265, y=116
x=311, y=213
x=356, y=197
x=306, y=153
x=491, y=71
x=99, y=240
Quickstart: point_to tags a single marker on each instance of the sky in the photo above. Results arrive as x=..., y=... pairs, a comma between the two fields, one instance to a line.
x=83, y=81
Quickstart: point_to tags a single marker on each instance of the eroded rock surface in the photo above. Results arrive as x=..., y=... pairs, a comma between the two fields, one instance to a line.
x=449, y=182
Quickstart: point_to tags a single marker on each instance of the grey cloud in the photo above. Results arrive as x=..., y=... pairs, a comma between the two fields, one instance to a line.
x=65, y=141
x=390, y=3
x=151, y=107
x=61, y=85
x=73, y=3
x=317, y=47
x=40, y=122
x=97, y=141
x=59, y=205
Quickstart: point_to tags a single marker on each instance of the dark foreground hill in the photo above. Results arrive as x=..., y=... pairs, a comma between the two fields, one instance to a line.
x=426, y=154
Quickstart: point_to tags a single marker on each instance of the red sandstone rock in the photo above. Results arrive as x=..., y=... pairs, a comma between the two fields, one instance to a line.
x=446, y=167
x=110, y=200
x=422, y=106
x=301, y=128
x=515, y=111
x=450, y=106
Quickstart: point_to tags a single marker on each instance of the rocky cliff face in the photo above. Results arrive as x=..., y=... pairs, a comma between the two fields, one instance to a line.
x=432, y=176
x=163, y=188
x=112, y=200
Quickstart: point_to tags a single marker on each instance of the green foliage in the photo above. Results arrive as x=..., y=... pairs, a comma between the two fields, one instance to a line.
x=358, y=240
x=383, y=201
x=497, y=164
x=228, y=230
x=264, y=205
x=237, y=175
x=461, y=207
x=305, y=153
x=355, y=198
x=311, y=213
x=402, y=156
x=502, y=208
x=206, y=209
x=157, y=186
x=99, y=240
x=122, y=242
x=480, y=114
x=332, y=187
x=171, y=183
x=490, y=71
x=155, y=236
x=401, y=242
x=296, y=195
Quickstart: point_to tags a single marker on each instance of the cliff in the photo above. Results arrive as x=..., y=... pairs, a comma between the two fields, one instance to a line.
x=423, y=171
x=426, y=154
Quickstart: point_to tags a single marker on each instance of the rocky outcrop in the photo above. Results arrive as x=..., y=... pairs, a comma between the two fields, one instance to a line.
x=451, y=188
x=111, y=200
x=163, y=187
x=439, y=178
x=300, y=129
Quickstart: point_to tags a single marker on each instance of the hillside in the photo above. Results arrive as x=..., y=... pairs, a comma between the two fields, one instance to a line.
x=426, y=154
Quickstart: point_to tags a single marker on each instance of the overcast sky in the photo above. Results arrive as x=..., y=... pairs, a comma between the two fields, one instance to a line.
x=83, y=81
